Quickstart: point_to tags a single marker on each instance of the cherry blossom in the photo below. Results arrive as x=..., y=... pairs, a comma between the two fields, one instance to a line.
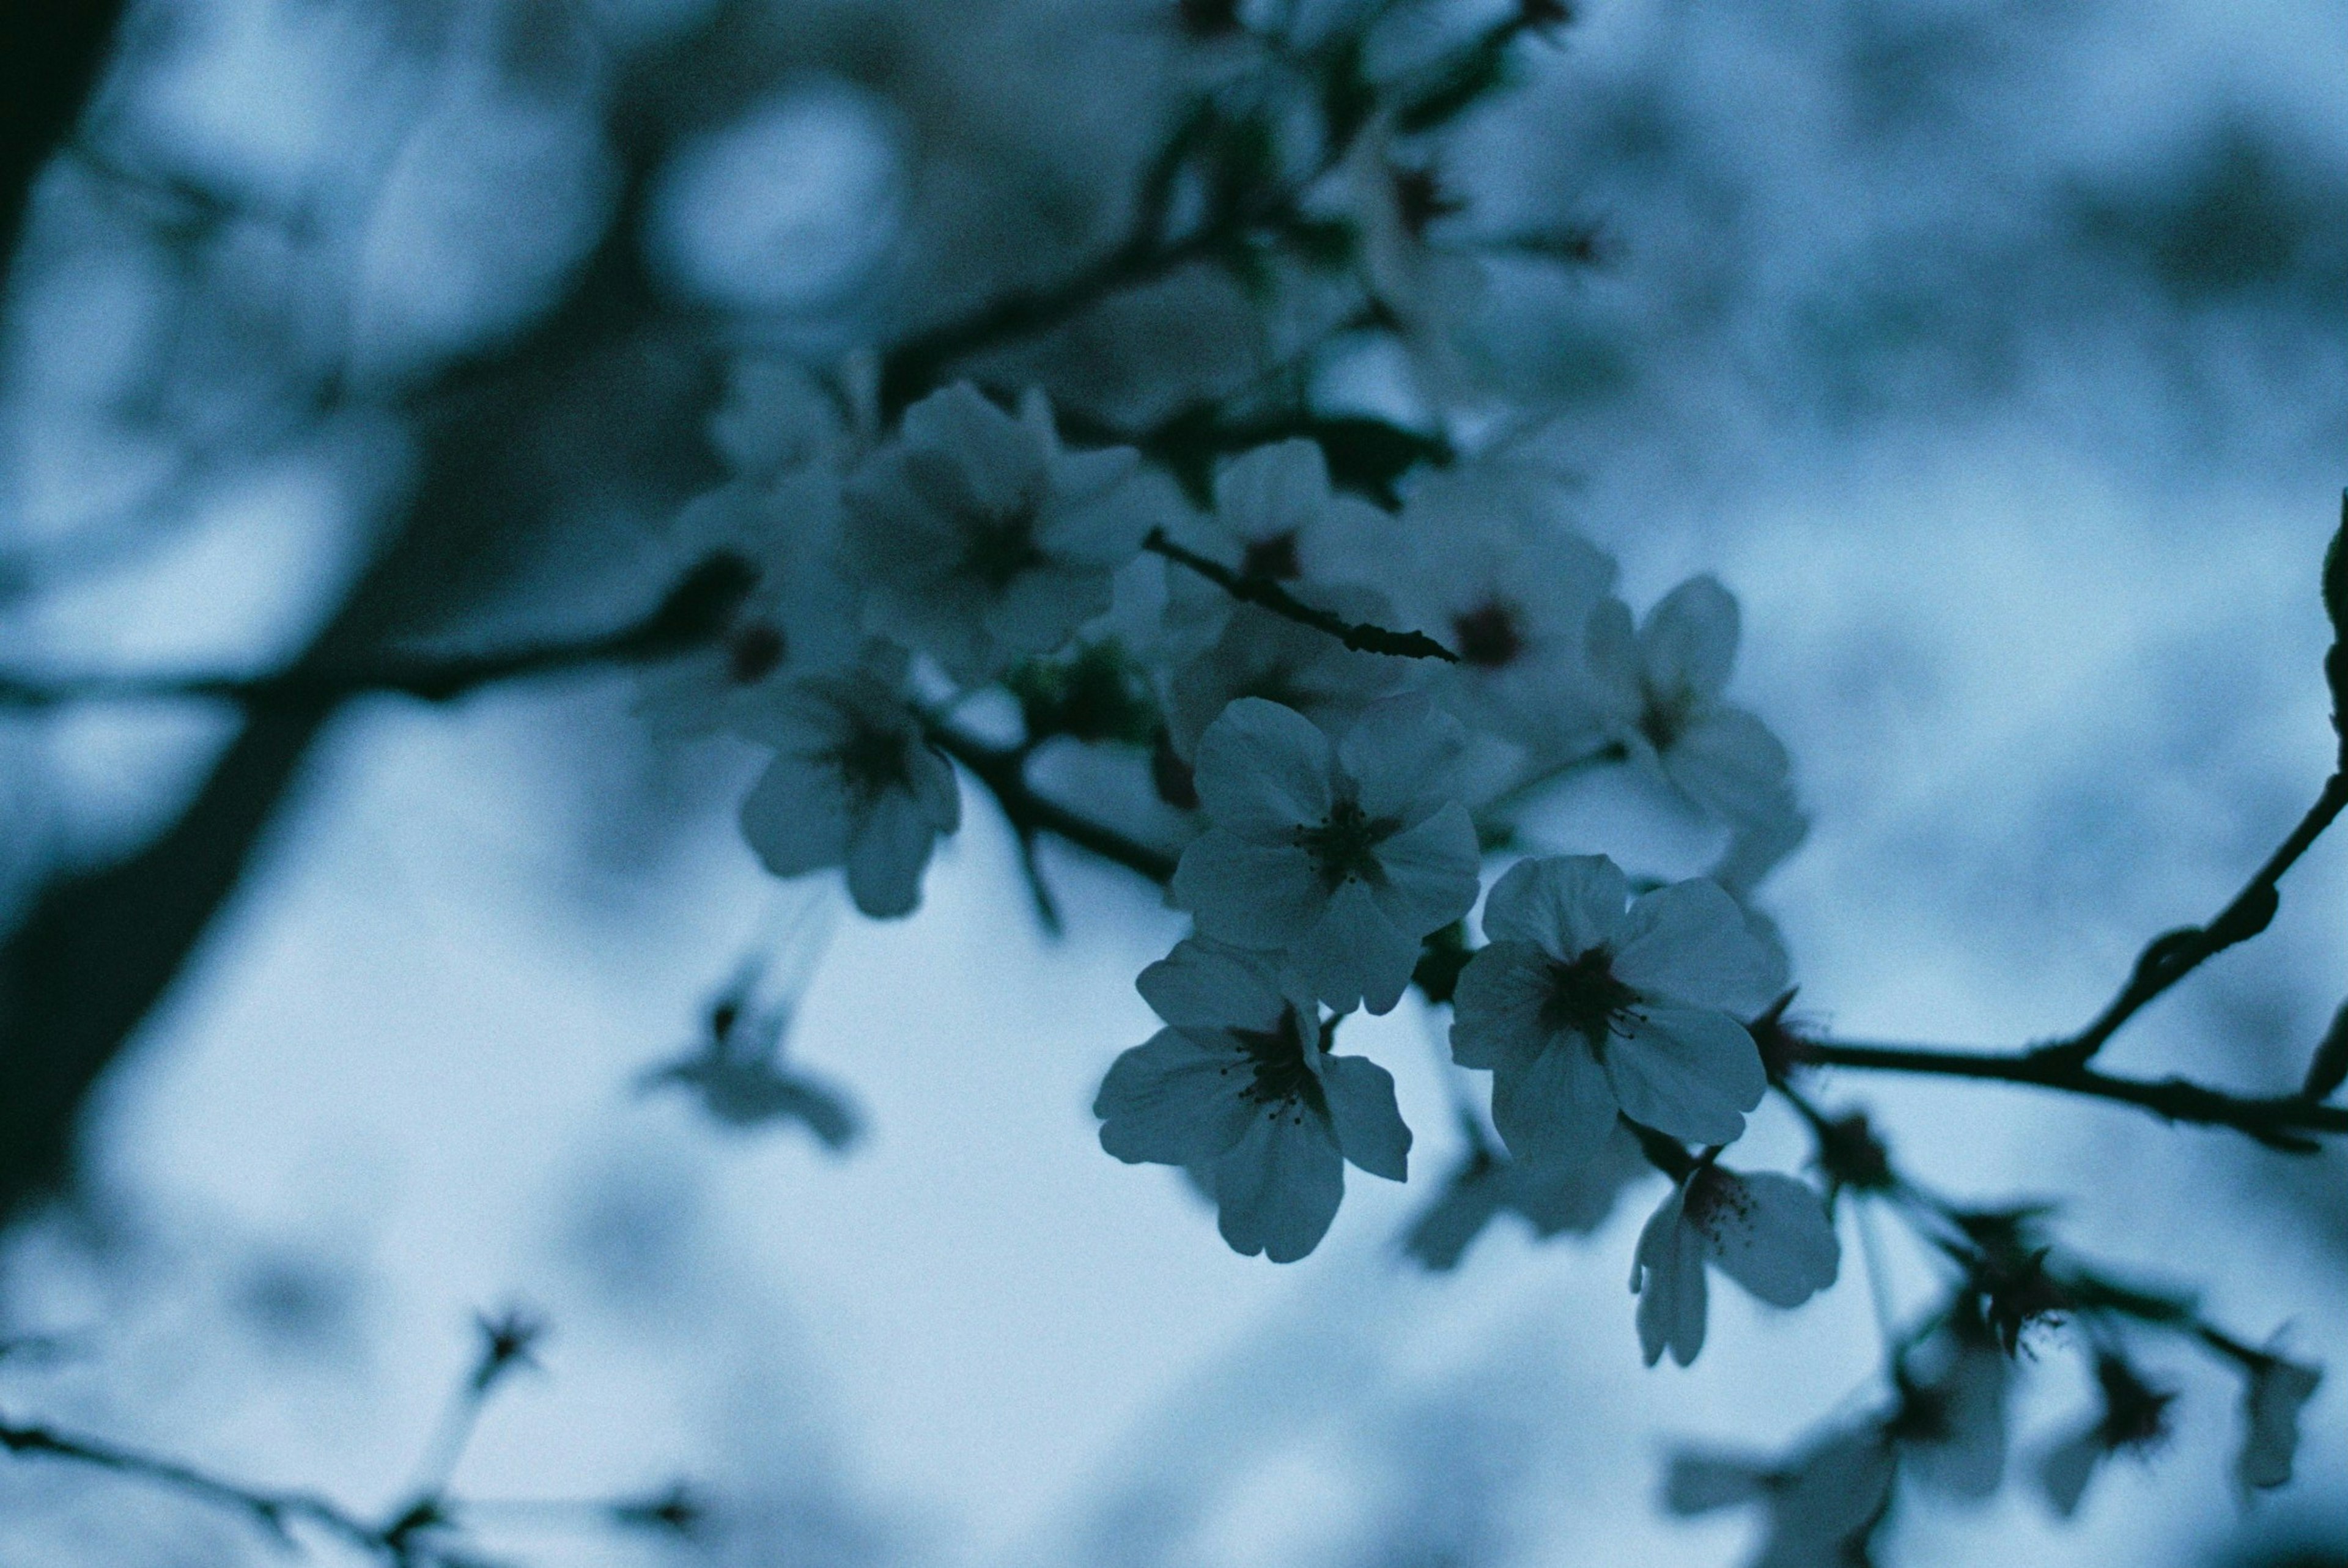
x=2274, y=1390
x=1583, y=1009
x=1822, y=1506
x=1768, y=1232
x=1338, y=858
x=1242, y=1088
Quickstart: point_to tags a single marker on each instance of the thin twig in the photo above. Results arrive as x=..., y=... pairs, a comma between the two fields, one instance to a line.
x=1002, y=773
x=2172, y=955
x=1269, y=595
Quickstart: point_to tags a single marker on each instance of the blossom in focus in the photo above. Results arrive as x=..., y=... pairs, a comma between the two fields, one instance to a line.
x=2134, y=1419
x=1240, y=1087
x=854, y=784
x=799, y=616
x=1768, y=1232
x=1337, y=858
x=1555, y=1200
x=2273, y=1392
x=1489, y=568
x=1660, y=691
x=1582, y=1010
x=1822, y=1506
x=979, y=540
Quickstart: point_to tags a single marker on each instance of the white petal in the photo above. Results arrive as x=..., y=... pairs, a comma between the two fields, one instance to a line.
x=1263, y=770
x=1174, y=1100
x=1554, y=1107
x=1768, y=1232
x=1563, y=903
x=887, y=849
x=1613, y=656
x=1728, y=762
x=1575, y=1200
x=933, y=788
x=1369, y=1126
x=1496, y=1012
x=1687, y=1071
x=2069, y=1466
x=992, y=464
x=1667, y=1272
x=1828, y=1501
x=1689, y=642
x=1353, y=956
x=1279, y=1186
x=1401, y=751
x=1701, y=1483
x=1203, y=985
x=1272, y=490
x=1432, y=872
x=2272, y=1399
x=1689, y=944
x=796, y=818
x=1248, y=894
x=1040, y=608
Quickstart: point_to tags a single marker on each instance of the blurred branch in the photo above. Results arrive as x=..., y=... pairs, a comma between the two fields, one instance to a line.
x=692, y=614
x=51, y=52
x=1269, y=595
x=1003, y=772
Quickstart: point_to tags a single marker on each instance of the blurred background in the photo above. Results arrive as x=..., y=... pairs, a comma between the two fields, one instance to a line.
x=1995, y=354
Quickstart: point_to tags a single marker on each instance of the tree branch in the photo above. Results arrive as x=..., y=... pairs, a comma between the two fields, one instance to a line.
x=2280, y=1121
x=2173, y=955
x=1004, y=774
x=1269, y=595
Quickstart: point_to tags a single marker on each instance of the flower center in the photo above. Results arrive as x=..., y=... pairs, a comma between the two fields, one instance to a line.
x=753, y=654
x=1585, y=999
x=1344, y=847
x=1276, y=1056
x=1274, y=560
x=1714, y=1195
x=1002, y=545
x=1666, y=717
x=872, y=761
x=1487, y=635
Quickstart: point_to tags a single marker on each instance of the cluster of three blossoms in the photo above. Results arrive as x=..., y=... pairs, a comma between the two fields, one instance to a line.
x=1328, y=862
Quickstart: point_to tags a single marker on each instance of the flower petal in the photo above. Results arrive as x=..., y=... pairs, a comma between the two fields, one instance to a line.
x=1564, y=904
x=1204, y=986
x=1687, y=1072
x=1249, y=895
x=1554, y=1107
x=1175, y=1100
x=1667, y=1274
x=795, y=817
x=1263, y=770
x=1280, y=1186
x=1369, y=1126
x=1400, y=752
x=1496, y=1011
x=1689, y=641
x=1689, y=944
x=1433, y=871
x=1728, y=762
x=1354, y=955
x=1768, y=1232
x=887, y=847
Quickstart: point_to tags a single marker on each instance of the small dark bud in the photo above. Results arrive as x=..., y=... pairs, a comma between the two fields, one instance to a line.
x=676, y=1511
x=2136, y=1414
x=1781, y=1049
x=2255, y=914
x=698, y=608
x=1170, y=775
x=1441, y=957
x=1851, y=1156
x=2329, y=1069
x=507, y=1342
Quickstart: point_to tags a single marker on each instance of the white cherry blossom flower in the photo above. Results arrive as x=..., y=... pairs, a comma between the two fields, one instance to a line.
x=798, y=617
x=1240, y=1088
x=774, y=418
x=1768, y=1232
x=2273, y=1392
x=1490, y=568
x=1661, y=688
x=854, y=784
x=1582, y=1010
x=1337, y=858
x=1822, y=1506
x=979, y=540
x=743, y=1081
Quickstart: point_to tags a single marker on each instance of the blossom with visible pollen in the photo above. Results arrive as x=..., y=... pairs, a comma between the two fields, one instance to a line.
x=1337, y=859
x=1768, y=1232
x=1240, y=1086
x=1582, y=1008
